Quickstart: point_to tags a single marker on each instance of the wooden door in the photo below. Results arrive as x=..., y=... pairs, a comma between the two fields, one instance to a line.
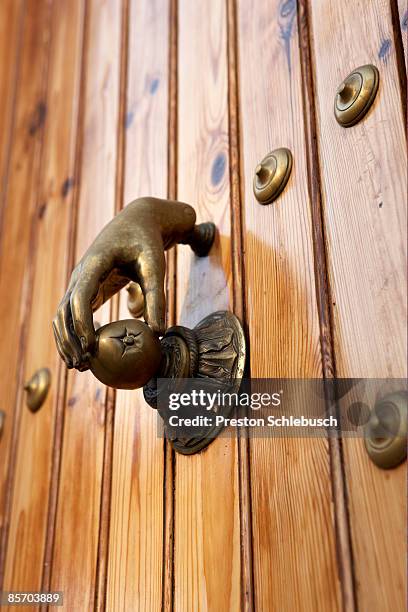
x=103, y=101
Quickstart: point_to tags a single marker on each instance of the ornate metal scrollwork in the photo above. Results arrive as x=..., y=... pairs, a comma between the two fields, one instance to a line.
x=214, y=349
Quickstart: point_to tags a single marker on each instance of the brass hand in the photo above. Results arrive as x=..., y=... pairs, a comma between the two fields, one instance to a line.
x=130, y=248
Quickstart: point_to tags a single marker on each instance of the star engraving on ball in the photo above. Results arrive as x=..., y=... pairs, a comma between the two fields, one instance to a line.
x=130, y=341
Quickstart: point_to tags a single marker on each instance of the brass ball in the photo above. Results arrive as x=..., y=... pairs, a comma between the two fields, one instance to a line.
x=127, y=354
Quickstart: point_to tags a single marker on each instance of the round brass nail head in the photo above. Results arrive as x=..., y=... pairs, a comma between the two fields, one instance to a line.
x=386, y=431
x=356, y=94
x=37, y=389
x=272, y=175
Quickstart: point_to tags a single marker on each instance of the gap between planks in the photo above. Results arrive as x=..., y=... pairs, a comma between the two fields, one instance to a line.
x=104, y=524
x=238, y=274
x=63, y=372
x=11, y=117
x=238, y=301
x=171, y=295
x=399, y=47
x=26, y=296
x=323, y=291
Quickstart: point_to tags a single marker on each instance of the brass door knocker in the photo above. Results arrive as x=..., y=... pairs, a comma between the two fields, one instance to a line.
x=129, y=354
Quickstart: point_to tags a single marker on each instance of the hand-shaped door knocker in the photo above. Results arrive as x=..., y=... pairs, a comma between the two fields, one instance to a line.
x=129, y=354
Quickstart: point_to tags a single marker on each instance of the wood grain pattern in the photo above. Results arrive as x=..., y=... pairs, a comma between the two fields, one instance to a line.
x=184, y=98
x=371, y=211
x=365, y=219
x=207, y=537
x=403, y=20
x=323, y=298
x=137, y=502
x=293, y=526
x=78, y=513
x=106, y=493
x=11, y=22
x=21, y=195
x=51, y=228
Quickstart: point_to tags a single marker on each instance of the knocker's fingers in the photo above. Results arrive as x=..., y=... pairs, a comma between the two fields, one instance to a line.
x=84, y=293
x=69, y=342
x=151, y=277
x=58, y=343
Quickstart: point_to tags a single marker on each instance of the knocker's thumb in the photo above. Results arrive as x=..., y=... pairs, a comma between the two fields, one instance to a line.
x=151, y=278
x=155, y=308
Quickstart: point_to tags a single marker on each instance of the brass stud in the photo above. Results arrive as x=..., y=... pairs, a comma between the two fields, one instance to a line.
x=356, y=94
x=386, y=431
x=272, y=175
x=37, y=389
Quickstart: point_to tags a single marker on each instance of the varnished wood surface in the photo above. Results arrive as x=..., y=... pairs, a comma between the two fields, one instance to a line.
x=238, y=299
x=341, y=516
x=48, y=275
x=104, y=101
x=403, y=23
x=290, y=478
x=20, y=202
x=365, y=220
x=364, y=212
x=206, y=529
x=137, y=500
x=75, y=561
x=11, y=24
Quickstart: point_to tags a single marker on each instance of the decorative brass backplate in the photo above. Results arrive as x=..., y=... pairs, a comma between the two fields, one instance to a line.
x=356, y=94
x=386, y=431
x=129, y=355
x=37, y=389
x=215, y=349
x=272, y=175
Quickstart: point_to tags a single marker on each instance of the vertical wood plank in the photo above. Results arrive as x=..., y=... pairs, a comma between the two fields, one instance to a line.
x=136, y=518
x=364, y=189
x=207, y=538
x=20, y=193
x=79, y=498
x=342, y=522
x=51, y=228
x=11, y=21
x=106, y=493
x=294, y=552
x=403, y=20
